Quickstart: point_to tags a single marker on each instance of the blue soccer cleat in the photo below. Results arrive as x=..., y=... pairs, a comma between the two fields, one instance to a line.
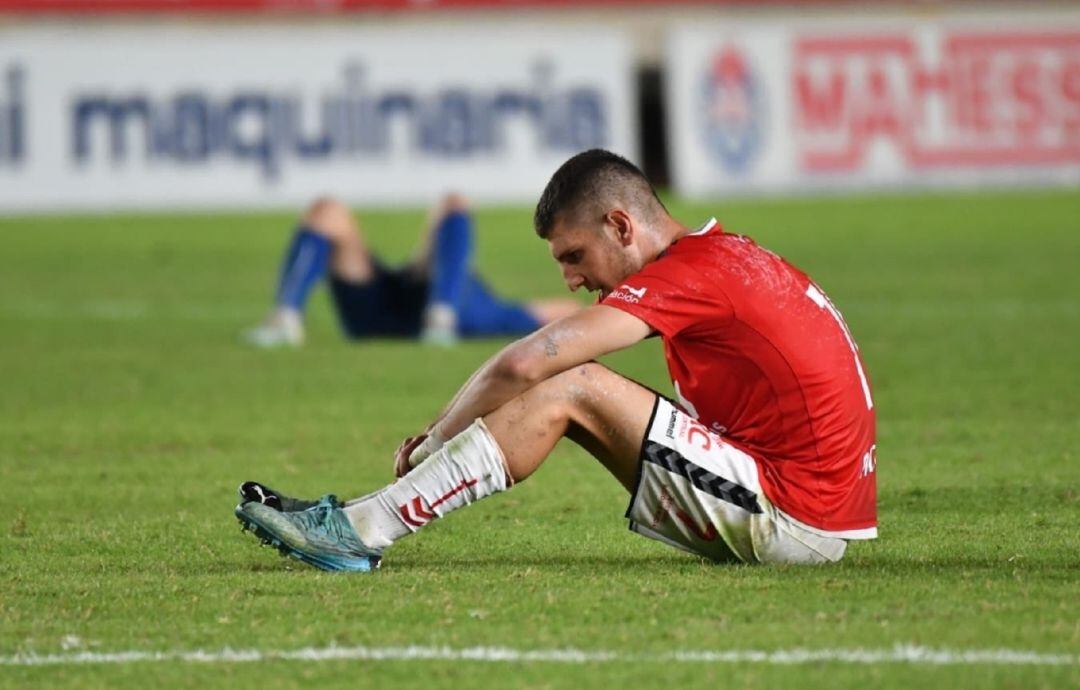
x=321, y=536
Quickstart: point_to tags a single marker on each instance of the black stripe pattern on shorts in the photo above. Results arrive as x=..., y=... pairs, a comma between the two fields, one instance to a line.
x=701, y=478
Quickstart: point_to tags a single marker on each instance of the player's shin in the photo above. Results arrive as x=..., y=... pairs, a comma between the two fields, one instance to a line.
x=469, y=467
x=306, y=263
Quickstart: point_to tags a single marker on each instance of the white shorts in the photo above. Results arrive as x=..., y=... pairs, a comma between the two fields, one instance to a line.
x=697, y=493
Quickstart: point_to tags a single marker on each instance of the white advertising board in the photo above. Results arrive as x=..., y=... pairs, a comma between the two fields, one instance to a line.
x=875, y=103
x=198, y=116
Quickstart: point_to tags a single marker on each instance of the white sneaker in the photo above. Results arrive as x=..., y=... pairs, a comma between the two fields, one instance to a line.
x=440, y=325
x=284, y=327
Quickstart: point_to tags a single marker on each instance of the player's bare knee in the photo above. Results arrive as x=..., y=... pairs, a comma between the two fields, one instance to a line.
x=542, y=404
x=454, y=203
x=563, y=388
x=581, y=385
x=592, y=372
x=324, y=207
x=329, y=217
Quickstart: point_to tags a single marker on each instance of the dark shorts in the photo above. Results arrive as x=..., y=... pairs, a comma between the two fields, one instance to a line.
x=391, y=305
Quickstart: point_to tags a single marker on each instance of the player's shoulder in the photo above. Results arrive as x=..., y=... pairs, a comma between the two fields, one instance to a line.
x=720, y=261
x=698, y=249
x=710, y=243
x=708, y=238
x=693, y=263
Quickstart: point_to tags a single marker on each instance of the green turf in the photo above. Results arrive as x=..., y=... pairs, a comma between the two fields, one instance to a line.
x=129, y=411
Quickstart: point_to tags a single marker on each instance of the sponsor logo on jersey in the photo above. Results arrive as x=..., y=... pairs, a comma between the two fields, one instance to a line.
x=631, y=295
x=732, y=107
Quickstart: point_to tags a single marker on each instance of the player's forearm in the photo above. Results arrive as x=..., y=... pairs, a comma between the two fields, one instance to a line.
x=521, y=365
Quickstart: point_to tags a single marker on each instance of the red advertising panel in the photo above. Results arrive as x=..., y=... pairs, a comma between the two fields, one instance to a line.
x=854, y=104
x=1004, y=97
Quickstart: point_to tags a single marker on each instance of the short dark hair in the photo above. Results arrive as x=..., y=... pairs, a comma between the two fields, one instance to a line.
x=593, y=180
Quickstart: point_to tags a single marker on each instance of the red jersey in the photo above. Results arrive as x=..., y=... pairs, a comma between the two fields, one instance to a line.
x=758, y=353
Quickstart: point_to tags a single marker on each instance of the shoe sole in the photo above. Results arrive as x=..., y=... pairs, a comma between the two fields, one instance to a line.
x=264, y=535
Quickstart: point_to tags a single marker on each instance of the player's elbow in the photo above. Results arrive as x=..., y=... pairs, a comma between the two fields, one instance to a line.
x=518, y=367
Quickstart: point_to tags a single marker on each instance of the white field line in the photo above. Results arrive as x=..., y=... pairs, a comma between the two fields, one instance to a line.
x=902, y=654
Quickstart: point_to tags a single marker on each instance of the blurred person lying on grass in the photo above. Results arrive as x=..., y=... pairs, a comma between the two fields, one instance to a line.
x=436, y=296
x=767, y=454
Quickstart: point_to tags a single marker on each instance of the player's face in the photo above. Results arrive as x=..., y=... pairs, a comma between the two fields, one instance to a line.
x=595, y=258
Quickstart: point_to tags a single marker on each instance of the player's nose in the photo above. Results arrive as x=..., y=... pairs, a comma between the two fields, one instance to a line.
x=573, y=279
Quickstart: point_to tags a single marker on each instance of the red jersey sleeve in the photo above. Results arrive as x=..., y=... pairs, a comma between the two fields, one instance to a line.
x=673, y=298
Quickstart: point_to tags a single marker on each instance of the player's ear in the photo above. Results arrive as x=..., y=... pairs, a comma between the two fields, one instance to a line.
x=620, y=222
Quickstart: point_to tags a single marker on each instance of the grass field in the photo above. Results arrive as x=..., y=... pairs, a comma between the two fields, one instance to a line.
x=129, y=412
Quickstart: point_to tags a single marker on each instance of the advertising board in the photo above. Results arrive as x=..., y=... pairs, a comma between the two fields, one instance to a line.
x=194, y=116
x=812, y=105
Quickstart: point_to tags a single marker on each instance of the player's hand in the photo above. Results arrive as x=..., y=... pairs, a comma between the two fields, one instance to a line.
x=432, y=443
x=401, y=455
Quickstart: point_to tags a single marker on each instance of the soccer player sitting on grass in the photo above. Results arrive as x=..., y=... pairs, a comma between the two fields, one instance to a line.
x=767, y=457
x=436, y=296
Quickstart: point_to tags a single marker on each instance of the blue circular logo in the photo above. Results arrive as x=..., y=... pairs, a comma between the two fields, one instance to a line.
x=732, y=110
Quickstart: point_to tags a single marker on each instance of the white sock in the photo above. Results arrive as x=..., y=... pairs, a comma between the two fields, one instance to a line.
x=469, y=467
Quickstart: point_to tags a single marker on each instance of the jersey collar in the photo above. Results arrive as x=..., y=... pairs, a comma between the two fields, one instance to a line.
x=704, y=229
